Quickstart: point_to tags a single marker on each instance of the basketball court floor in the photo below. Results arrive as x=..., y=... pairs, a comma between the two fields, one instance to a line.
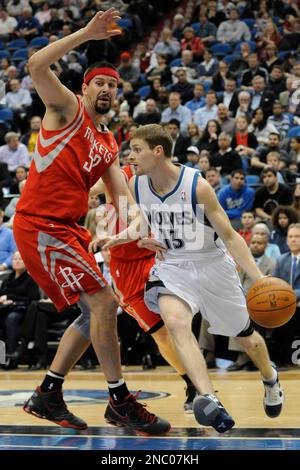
x=85, y=393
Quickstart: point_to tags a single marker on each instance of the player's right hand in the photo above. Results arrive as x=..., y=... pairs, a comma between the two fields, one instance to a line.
x=153, y=245
x=103, y=25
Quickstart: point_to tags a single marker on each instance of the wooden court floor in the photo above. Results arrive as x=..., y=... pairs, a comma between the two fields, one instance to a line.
x=85, y=393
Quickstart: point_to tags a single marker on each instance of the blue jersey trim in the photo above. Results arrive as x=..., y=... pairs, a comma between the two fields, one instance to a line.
x=163, y=198
x=194, y=188
x=136, y=190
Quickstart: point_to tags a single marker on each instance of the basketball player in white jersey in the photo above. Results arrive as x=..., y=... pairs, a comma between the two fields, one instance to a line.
x=196, y=273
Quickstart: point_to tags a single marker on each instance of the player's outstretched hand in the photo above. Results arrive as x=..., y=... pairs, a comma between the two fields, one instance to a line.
x=103, y=25
x=153, y=245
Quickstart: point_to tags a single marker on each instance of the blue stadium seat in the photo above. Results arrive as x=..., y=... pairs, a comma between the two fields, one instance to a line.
x=250, y=22
x=143, y=91
x=4, y=54
x=207, y=84
x=176, y=62
x=229, y=58
x=252, y=179
x=39, y=42
x=16, y=44
x=195, y=26
x=6, y=114
x=220, y=50
x=125, y=23
x=2, y=45
x=294, y=132
x=19, y=55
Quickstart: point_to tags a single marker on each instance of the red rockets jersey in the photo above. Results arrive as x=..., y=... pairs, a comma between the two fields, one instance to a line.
x=66, y=164
x=130, y=251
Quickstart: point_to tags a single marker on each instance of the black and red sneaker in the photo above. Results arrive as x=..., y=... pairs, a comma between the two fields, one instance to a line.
x=51, y=406
x=134, y=415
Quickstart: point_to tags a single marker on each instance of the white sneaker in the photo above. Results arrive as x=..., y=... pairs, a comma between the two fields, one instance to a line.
x=273, y=399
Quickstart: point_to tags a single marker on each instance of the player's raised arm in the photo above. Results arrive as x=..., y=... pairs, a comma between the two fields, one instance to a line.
x=56, y=97
x=220, y=222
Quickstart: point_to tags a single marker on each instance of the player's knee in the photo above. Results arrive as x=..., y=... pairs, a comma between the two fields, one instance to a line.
x=177, y=325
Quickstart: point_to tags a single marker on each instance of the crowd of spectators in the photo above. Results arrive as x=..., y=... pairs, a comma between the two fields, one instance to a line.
x=222, y=76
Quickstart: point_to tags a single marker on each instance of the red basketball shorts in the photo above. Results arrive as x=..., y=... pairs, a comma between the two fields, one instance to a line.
x=129, y=279
x=56, y=256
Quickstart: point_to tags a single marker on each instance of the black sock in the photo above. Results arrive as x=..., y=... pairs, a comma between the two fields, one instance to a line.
x=187, y=380
x=52, y=382
x=118, y=392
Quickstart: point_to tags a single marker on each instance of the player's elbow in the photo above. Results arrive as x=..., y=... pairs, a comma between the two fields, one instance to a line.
x=34, y=66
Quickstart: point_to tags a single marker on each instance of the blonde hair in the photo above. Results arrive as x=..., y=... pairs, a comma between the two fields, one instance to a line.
x=153, y=135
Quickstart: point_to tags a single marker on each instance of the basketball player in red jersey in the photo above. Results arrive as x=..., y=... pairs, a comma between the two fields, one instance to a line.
x=74, y=149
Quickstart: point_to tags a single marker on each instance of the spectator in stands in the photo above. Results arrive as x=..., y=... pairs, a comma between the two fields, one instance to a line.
x=236, y=198
x=128, y=72
x=192, y=157
x=160, y=70
x=272, y=250
x=227, y=159
x=10, y=209
x=30, y=138
x=28, y=26
x=188, y=64
x=253, y=71
x=259, y=158
x=176, y=110
x=219, y=78
x=198, y=101
x=19, y=101
x=180, y=141
x=244, y=142
x=227, y=123
x=206, y=30
x=44, y=15
x=194, y=134
x=8, y=24
x=261, y=127
x=209, y=139
x=247, y=224
x=270, y=195
x=209, y=66
x=277, y=80
x=273, y=161
x=16, y=7
x=287, y=268
x=230, y=95
x=7, y=245
x=122, y=132
x=282, y=218
x=152, y=114
x=233, y=30
x=244, y=109
x=279, y=119
x=14, y=153
x=213, y=14
x=192, y=42
x=240, y=62
x=269, y=37
x=16, y=293
x=21, y=175
x=296, y=199
x=183, y=87
x=271, y=58
x=203, y=163
x=294, y=153
x=208, y=112
x=261, y=97
x=213, y=176
x=168, y=45
x=178, y=26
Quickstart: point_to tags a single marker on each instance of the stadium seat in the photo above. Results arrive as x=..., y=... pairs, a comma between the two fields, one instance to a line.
x=143, y=91
x=39, y=42
x=221, y=50
x=16, y=44
x=252, y=180
x=175, y=62
x=4, y=54
x=237, y=49
x=6, y=114
x=195, y=25
x=294, y=132
x=19, y=55
x=229, y=58
x=250, y=22
x=125, y=23
x=207, y=84
x=2, y=45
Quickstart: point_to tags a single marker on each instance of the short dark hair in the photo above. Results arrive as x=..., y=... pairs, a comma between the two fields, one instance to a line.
x=268, y=169
x=175, y=122
x=238, y=172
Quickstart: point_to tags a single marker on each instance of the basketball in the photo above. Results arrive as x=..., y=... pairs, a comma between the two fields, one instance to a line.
x=271, y=302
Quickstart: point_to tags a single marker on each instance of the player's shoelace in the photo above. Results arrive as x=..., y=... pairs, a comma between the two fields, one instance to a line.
x=140, y=408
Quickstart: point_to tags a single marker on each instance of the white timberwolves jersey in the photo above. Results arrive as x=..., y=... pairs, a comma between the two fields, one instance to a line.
x=176, y=220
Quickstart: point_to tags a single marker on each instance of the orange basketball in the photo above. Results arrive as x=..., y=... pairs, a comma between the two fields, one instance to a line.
x=271, y=302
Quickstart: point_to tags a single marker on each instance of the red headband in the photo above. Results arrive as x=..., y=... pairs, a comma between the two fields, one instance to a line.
x=101, y=71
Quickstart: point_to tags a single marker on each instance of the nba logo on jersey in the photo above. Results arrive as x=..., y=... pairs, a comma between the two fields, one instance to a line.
x=183, y=195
